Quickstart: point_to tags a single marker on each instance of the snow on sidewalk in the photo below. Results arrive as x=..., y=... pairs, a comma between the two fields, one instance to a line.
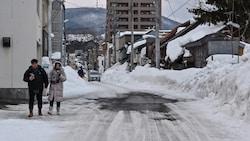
x=27, y=130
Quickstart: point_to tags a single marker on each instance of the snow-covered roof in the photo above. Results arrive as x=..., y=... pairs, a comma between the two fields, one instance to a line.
x=136, y=45
x=148, y=36
x=56, y=56
x=135, y=33
x=179, y=29
x=174, y=49
x=233, y=24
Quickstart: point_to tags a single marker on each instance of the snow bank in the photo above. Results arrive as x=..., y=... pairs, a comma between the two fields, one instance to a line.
x=146, y=77
x=75, y=87
x=174, y=47
x=224, y=81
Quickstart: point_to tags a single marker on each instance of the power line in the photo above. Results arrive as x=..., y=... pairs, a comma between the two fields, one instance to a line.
x=171, y=9
x=178, y=9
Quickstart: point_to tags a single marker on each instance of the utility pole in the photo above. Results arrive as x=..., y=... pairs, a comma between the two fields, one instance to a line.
x=157, y=39
x=114, y=34
x=132, y=35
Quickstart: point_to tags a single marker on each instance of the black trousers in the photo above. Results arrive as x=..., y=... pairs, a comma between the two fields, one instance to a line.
x=38, y=94
x=52, y=102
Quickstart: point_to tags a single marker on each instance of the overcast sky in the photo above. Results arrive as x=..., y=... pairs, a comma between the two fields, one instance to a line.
x=179, y=7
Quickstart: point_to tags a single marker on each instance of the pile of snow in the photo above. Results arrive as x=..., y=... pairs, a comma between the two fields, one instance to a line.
x=174, y=47
x=145, y=77
x=56, y=56
x=45, y=60
x=224, y=82
x=75, y=87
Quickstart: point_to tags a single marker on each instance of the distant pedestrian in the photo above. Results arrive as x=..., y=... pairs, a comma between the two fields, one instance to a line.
x=37, y=79
x=81, y=72
x=56, y=78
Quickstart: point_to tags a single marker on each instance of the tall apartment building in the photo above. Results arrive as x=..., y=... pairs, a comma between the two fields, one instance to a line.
x=119, y=15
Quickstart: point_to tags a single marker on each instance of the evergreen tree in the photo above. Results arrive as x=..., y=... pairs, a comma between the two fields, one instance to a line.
x=214, y=11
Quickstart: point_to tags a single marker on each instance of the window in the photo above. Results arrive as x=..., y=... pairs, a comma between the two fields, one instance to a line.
x=147, y=5
x=146, y=26
x=113, y=4
x=136, y=12
x=122, y=4
x=135, y=26
x=123, y=19
x=123, y=27
x=143, y=12
x=136, y=19
x=122, y=12
x=136, y=4
x=148, y=19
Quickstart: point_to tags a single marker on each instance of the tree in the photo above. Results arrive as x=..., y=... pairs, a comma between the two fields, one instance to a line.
x=214, y=11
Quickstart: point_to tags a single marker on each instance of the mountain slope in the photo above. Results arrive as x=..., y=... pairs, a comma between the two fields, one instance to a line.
x=93, y=20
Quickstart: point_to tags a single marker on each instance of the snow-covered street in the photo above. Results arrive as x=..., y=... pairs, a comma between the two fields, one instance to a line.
x=130, y=115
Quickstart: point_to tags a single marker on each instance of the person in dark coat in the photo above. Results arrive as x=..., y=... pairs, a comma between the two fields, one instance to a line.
x=56, y=78
x=81, y=72
x=37, y=79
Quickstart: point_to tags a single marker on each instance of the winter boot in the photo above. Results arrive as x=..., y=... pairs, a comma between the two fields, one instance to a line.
x=31, y=113
x=50, y=110
x=58, y=110
x=40, y=112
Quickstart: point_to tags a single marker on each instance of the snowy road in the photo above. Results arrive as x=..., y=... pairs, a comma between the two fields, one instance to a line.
x=130, y=116
x=139, y=116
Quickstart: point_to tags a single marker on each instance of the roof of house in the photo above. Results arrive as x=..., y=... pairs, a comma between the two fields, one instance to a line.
x=136, y=45
x=190, y=34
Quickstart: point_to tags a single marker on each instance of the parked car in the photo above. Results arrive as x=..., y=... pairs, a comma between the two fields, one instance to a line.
x=94, y=76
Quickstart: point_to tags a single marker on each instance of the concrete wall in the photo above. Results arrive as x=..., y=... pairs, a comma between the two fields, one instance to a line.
x=57, y=26
x=223, y=47
x=20, y=20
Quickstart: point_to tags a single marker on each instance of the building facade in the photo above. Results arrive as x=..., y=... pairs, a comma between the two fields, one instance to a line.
x=21, y=39
x=57, y=20
x=119, y=15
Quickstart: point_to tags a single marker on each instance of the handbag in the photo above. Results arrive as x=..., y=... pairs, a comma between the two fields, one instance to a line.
x=46, y=90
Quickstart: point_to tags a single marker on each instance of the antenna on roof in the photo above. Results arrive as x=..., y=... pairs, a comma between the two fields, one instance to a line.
x=96, y=3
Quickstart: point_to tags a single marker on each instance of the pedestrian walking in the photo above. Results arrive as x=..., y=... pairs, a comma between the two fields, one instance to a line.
x=37, y=79
x=56, y=78
x=81, y=72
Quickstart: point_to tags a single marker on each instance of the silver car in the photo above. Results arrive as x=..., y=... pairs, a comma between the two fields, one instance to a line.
x=94, y=76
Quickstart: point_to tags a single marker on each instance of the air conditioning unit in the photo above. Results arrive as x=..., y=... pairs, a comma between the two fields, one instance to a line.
x=6, y=41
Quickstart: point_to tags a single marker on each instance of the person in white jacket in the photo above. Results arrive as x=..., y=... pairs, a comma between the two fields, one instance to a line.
x=56, y=78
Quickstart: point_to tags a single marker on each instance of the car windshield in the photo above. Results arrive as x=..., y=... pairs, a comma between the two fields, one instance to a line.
x=94, y=73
